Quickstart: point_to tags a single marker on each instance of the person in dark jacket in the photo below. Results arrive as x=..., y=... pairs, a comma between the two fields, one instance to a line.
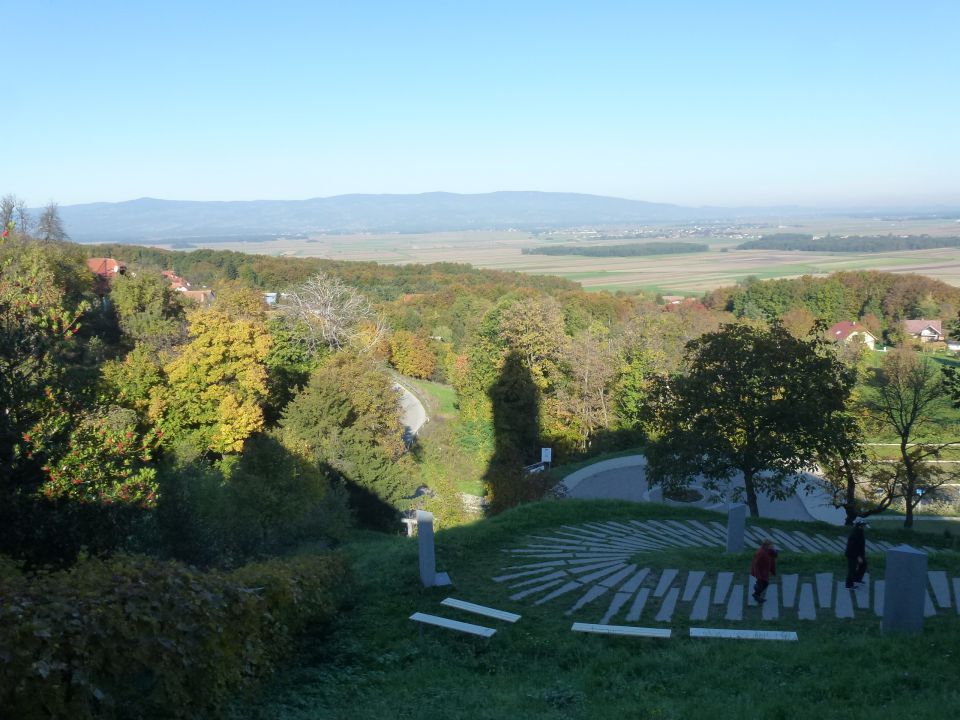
x=856, y=553
x=763, y=566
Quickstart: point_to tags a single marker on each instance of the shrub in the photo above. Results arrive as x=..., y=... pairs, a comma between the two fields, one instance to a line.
x=137, y=637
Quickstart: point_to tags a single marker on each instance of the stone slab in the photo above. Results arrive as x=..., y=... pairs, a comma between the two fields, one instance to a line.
x=533, y=581
x=526, y=573
x=724, y=579
x=480, y=610
x=743, y=634
x=941, y=589
x=619, y=600
x=591, y=566
x=562, y=590
x=751, y=584
x=633, y=583
x=771, y=607
x=592, y=577
x=453, y=624
x=637, y=608
x=694, y=578
x=618, y=577
x=862, y=593
x=806, y=608
x=627, y=630
x=878, y=595
x=534, y=590
x=907, y=600
x=824, y=589
x=735, y=604
x=789, y=585
x=588, y=597
x=844, y=604
x=669, y=603
x=666, y=578
x=702, y=604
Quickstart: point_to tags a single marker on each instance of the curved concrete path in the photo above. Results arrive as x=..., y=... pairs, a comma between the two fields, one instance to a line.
x=625, y=479
x=412, y=413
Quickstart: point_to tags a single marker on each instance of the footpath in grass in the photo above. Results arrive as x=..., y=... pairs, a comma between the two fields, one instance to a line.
x=378, y=664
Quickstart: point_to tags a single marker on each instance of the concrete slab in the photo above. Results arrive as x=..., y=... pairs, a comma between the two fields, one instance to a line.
x=862, y=593
x=743, y=634
x=636, y=610
x=771, y=608
x=824, y=588
x=453, y=624
x=666, y=578
x=600, y=574
x=633, y=583
x=723, y=586
x=526, y=573
x=563, y=590
x=735, y=604
x=627, y=630
x=669, y=603
x=534, y=590
x=702, y=605
x=844, y=604
x=533, y=581
x=480, y=610
x=618, y=577
x=878, y=593
x=941, y=589
x=694, y=578
x=588, y=597
x=806, y=609
x=619, y=600
x=789, y=585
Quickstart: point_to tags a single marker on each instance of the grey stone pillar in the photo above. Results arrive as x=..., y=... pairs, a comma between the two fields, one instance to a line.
x=905, y=590
x=428, y=561
x=736, y=523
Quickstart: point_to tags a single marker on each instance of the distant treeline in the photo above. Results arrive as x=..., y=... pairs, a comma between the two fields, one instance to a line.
x=853, y=243
x=626, y=250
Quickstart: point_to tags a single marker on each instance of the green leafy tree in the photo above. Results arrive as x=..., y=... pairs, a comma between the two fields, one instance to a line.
x=411, y=355
x=756, y=401
x=149, y=310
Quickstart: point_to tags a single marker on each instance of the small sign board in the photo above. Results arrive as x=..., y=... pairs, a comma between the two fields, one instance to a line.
x=546, y=455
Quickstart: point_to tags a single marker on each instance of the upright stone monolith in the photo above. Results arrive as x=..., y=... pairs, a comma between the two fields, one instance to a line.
x=428, y=561
x=905, y=590
x=736, y=524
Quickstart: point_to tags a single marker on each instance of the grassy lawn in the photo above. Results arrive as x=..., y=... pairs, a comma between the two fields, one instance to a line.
x=441, y=398
x=376, y=664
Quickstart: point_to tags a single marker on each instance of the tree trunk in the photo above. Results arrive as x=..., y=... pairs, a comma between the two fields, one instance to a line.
x=911, y=482
x=751, y=495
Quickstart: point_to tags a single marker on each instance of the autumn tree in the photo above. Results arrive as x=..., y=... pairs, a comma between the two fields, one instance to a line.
x=910, y=393
x=215, y=387
x=411, y=354
x=755, y=401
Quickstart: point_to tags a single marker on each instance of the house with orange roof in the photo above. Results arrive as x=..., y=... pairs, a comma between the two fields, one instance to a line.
x=847, y=331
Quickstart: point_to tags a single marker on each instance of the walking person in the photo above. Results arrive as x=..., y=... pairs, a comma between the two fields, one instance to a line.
x=856, y=553
x=763, y=566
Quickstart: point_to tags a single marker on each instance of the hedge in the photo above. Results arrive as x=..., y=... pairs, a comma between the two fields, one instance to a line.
x=135, y=637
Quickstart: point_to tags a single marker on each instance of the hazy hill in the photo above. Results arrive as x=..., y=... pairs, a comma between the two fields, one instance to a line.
x=151, y=219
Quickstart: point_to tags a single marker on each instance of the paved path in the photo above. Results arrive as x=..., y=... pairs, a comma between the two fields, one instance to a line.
x=412, y=413
x=593, y=570
x=625, y=479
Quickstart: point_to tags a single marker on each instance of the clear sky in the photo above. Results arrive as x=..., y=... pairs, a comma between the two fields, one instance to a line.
x=691, y=102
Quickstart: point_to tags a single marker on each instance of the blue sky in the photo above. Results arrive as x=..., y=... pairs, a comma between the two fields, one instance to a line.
x=722, y=102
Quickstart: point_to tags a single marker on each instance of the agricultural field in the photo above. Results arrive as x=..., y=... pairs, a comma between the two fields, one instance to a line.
x=688, y=273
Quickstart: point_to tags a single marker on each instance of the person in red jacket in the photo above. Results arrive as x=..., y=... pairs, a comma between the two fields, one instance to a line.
x=763, y=566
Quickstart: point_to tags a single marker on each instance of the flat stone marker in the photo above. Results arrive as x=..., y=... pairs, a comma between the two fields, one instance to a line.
x=789, y=585
x=735, y=605
x=534, y=590
x=806, y=610
x=619, y=600
x=771, y=608
x=637, y=608
x=601, y=573
x=590, y=566
x=589, y=596
x=751, y=584
x=694, y=578
x=669, y=603
x=941, y=590
x=928, y=609
x=906, y=591
x=452, y=624
x=956, y=594
x=628, y=630
x=428, y=562
x=723, y=587
x=665, y=580
x=702, y=605
x=736, y=523
x=824, y=588
x=844, y=606
x=743, y=634
x=563, y=590
x=525, y=573
x=878, y=593
x=481, y=610
x=633, y=583
x=619, y=577
x=560, y=574
x=785, y=541
x=862, y=593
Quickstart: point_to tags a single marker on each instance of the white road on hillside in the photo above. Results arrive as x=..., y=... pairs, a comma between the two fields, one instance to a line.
x=412, y=413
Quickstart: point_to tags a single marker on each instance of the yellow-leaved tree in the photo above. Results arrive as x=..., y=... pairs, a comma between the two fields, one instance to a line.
x=216, y=386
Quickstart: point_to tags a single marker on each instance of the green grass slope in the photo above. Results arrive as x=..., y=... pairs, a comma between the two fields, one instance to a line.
x=378, y=665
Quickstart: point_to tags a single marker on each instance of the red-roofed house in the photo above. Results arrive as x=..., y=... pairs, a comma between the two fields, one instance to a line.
x=924, y=330
x=105, y=269
x=176, y=282
x=846, y=331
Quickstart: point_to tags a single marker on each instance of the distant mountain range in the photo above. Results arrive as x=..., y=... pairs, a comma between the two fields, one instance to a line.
x=152, y=220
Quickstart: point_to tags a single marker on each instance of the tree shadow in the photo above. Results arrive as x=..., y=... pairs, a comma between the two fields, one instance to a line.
x=516, y=431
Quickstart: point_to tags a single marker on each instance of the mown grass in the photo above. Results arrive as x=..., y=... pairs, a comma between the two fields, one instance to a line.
x=442, y=398
x=378, y=664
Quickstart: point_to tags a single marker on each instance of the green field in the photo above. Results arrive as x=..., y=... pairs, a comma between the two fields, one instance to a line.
x=377, y=664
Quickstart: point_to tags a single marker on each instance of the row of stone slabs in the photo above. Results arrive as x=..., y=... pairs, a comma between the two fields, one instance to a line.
x=594, y=557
